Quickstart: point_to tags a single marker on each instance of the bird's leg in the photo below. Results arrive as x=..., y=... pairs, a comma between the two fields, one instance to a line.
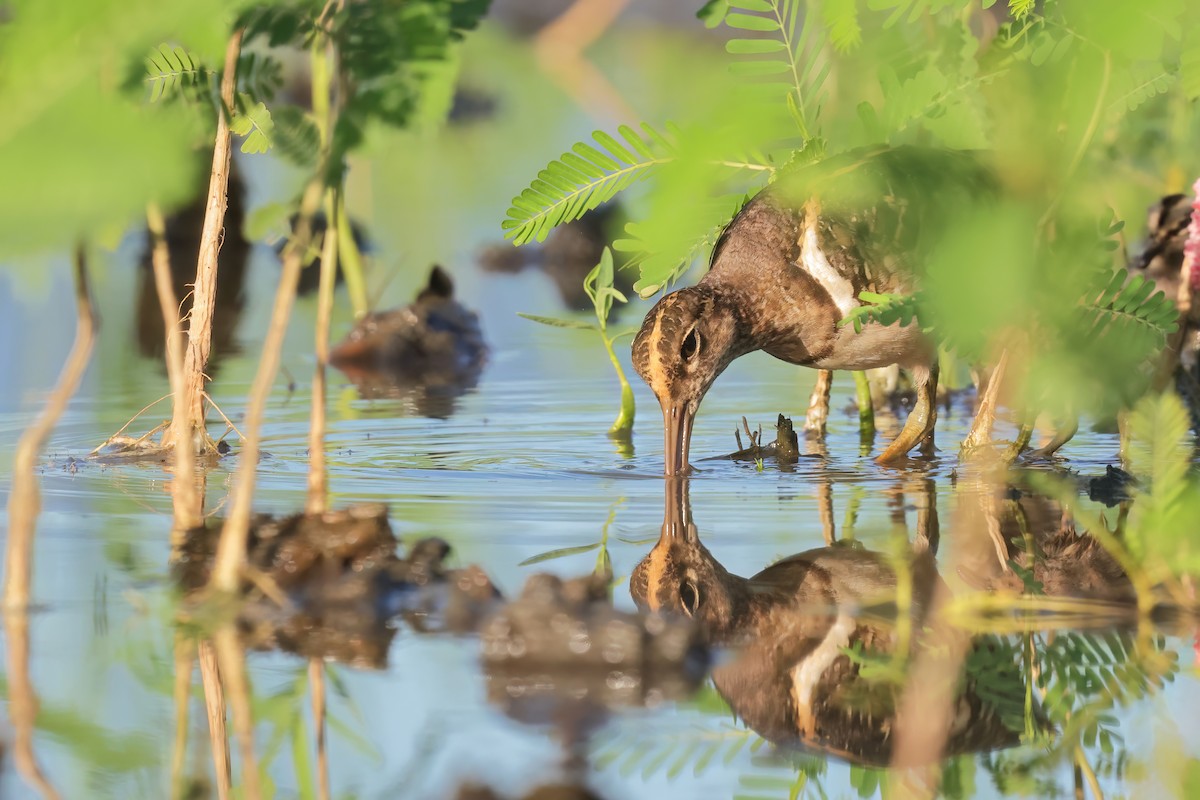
x=980, y=434
x=1062, y=434
x=921, y=420
x=818, y=405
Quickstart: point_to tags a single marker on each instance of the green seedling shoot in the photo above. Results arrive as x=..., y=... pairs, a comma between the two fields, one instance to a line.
x=599, y=287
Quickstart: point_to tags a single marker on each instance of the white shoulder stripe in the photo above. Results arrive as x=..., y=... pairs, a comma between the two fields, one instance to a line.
x=813, y=261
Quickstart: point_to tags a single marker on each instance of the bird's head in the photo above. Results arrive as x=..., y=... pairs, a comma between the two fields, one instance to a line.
x=680, y=577
x=687, y=340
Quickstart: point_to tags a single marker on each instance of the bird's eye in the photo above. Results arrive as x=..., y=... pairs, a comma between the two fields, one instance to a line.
x=689, y=596
x=691, y=345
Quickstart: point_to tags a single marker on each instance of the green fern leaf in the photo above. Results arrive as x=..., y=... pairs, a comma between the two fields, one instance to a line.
x=841, y=17
x=583, y=179
x=1020, y=8
x=1161, y=452
x=885, y=309
x=1139, y=83
x=174, y=72
x=1133, y=306
x=259, y=76
x=801, y=47
x=253, y=122
x=296, y=136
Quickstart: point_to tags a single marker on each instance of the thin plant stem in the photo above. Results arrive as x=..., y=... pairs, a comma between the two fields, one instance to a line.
x=866, y=410
x=350, y=262
x=623, y=425
x=188, y=506
x=214, y=707
x=205, y=287
x=1081, y=763
x=316, y=681
x=24, y=502
x=324, y=60
x=232, y=660
x=318, y=478
x=185, y=660
x=23, y=702
x=231, y=549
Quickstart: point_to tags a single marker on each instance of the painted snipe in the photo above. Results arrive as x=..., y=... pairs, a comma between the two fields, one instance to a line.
x=782, y=276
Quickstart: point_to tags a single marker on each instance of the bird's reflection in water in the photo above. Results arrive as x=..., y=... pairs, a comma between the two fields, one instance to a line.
x=801, y=632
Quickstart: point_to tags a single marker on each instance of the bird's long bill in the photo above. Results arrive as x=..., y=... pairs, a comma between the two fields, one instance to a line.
x=677, y=437
x=677, y=512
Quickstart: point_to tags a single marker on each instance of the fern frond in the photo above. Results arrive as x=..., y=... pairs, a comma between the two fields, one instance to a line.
x=1140, y=83
x=1161, y=452
x=841, y=17
x=173, y=72
x=296, y=135
x=583, y=179
x=253, y=121
x=788, y=51
x=259, y=75
x=1134, y=306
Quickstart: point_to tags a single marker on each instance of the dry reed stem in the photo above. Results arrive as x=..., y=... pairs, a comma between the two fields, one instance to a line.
x=232, y=660
x=23, y=702
x=24, y=500
x=185, y=660
x=316, y=680
x=231, y=549
x=205, y=288
x=185, y=497
x=214, y=706
x=560, y=46
x=318, y=478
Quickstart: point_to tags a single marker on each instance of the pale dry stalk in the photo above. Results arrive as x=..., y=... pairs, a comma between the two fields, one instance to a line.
x=214, y=706
x=205, y=288
x=232, y=660
x=318, y=479
x=316, y=682
x=24, y=500
x=231, y=549
x=23, y=702
x=185, y=496
x=185, y=660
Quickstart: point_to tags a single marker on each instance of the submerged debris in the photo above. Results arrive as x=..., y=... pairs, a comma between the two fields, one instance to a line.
x=785, y=450
x=1113, y=487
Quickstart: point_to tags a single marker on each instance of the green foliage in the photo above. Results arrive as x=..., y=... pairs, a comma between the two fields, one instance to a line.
x=171, y=72
x=885, y=309
x=793, y=51
x=584, y=178
x=387, y=51
x=253, y=122
x=65, y=101
x=599, y=287
x=1162, y=524
x=1130, y=308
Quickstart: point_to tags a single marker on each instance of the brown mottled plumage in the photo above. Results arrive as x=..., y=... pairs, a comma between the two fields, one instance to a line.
x=782, y=277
